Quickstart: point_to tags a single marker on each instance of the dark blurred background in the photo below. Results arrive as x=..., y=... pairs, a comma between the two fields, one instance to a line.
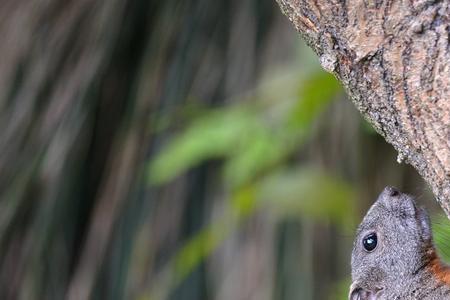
x=177, y=149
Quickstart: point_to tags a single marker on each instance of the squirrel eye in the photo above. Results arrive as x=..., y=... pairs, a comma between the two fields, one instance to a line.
x=370, y=242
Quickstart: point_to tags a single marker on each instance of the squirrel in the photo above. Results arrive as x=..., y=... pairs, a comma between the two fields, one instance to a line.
x=393, y=253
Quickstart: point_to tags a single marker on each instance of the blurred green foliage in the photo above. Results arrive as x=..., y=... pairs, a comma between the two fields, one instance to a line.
x=315, y=93
x=340, y=290
x=309, y=193
x=255, y=139
x=441, y=235
x=246, y=135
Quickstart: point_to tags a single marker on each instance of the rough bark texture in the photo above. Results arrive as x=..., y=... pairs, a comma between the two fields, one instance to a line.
x=393, y=57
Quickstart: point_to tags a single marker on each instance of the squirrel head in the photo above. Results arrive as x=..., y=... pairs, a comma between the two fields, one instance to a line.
x=391, y=246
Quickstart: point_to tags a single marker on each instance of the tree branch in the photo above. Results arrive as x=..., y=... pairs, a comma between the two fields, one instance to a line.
x=393, y=57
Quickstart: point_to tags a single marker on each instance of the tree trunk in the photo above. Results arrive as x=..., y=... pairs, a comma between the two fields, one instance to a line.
x=393, y=57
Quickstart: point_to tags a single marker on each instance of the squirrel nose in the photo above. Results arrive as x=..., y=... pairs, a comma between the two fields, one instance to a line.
x=391, y=191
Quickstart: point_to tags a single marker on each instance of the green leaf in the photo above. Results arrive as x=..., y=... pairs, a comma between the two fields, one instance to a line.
x=314, y=94
x=252, y=138
x=214, y=135
x=261, y=150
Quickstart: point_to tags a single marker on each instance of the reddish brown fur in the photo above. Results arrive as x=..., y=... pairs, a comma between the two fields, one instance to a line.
x=439, y=269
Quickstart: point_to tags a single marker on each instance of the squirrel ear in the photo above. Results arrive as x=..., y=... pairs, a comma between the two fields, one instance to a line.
x=424, y=221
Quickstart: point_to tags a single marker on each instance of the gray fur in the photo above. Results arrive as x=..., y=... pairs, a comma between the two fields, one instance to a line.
x=399, y=267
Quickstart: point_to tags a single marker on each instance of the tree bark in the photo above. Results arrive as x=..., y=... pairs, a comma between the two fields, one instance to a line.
x=393, y=58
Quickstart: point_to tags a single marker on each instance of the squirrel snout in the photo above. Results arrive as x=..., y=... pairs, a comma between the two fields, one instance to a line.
x=398, y=202
x=391, y=191
x=358, y=293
